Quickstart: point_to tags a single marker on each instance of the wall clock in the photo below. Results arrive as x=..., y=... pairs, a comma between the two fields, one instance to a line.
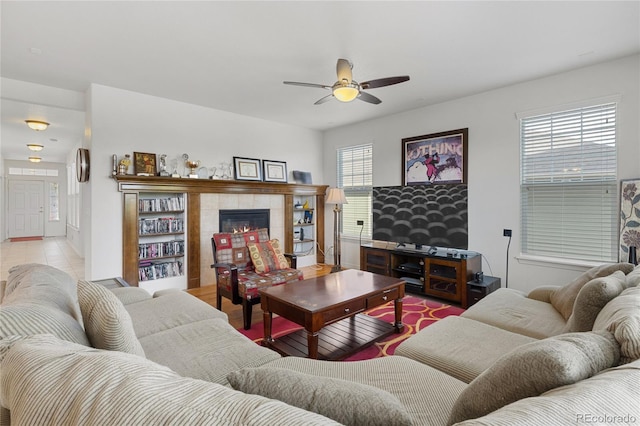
x=82, y=165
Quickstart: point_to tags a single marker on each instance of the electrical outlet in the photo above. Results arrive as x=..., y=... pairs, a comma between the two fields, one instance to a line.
x=506, y=232
x=360, y=222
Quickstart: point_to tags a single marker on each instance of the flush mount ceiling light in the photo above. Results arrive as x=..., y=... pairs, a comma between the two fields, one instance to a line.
x=37, y=125
x=35, y=147
x=35, y=159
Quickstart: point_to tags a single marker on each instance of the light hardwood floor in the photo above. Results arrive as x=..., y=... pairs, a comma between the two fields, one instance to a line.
x=208, y=294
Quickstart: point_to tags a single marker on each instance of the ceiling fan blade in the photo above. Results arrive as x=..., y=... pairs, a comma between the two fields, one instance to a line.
x=381, y=82
x=343, y=69
x=364, y=96
x=295, y=83
x=323, y=100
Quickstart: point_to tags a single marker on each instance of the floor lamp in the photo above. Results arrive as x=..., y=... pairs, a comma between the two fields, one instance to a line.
x=336, y=196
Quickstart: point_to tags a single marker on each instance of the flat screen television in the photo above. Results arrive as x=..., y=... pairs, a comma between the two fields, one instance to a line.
x=424, y=215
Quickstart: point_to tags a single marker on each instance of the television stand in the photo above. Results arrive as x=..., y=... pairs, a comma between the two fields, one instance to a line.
x=442, y=273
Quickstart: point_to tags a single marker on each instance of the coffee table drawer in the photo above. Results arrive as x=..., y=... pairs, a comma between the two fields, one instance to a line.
x=382, y=297
x=345, y=310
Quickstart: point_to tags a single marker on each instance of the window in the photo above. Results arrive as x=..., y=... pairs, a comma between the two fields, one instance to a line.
x=54, y=199
x=355, y=176
x=568, y=184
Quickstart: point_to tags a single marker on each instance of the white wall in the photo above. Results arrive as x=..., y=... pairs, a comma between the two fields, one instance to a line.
x=122, y=122
x=493, y=168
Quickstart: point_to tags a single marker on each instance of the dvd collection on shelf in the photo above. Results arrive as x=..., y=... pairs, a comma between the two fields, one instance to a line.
x=161, y=204
x=153, y=271
x=161, y=249
x=161, y=225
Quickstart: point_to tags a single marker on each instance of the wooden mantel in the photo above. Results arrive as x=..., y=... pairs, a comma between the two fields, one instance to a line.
x=131, y=186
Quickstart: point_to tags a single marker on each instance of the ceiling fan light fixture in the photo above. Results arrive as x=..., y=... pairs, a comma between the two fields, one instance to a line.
x=35, y=159
x=37, y=125
x=35, y=147
x=346, y=92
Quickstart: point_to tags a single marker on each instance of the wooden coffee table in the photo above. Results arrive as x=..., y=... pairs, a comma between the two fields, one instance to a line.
x=327, y=307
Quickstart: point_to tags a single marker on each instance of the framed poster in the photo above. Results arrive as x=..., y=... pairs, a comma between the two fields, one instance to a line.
x=144, y=164
x=629, y=218
x=436, y=158
x=274, y=171
x=247, y=168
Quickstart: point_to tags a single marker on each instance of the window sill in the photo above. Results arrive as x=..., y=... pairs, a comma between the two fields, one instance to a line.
x=556, y=262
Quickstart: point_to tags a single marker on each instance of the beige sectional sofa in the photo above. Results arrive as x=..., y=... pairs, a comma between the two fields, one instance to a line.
x=77, y=353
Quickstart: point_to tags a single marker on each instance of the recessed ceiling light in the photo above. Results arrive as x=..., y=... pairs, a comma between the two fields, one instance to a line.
x=37, y=125
x=35, y=147
x=35, y=159
x=35, y=51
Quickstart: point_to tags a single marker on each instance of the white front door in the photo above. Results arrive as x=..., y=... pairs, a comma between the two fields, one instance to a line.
x=26, y=208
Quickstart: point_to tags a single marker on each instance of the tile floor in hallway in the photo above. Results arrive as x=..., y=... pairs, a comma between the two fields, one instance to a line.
x=53, y=251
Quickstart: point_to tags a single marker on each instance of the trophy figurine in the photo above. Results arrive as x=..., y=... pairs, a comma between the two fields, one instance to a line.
x=193, y=165
x=163, y=165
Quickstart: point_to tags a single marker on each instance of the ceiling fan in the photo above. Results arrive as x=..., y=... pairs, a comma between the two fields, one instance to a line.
x=346, y=89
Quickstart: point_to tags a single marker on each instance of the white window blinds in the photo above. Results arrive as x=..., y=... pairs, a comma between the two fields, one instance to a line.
x=355, y=176
x=568, y=183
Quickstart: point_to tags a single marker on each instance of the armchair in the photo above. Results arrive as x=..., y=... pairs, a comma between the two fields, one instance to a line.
x=246, y=262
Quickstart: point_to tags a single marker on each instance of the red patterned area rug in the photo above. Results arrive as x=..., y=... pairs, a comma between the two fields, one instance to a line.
x=417, y=313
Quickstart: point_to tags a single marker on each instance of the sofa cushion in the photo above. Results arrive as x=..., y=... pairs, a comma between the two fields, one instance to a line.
x=563, y=298
x=513, y=311
x=445, y=345
x=346, y=402
x=610, y=397
x=168, y=311
x=41, y=299
x=267, y=256
x=427, y=394
x=45, y=285
x=106, y=321
x=46, y=381
x=621, y=316
x=593, y=296
x=208, y=350
x=250, y=282
x=535, y=368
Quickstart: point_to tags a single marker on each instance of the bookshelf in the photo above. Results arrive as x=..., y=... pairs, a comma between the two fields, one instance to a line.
x=136, y=188
x=304, y=231
x=161, y=239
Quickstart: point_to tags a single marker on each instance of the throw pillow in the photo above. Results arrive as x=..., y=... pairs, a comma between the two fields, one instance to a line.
x=592, y=298
x=621, y=317
x=535, y=368
x=346, y=402
x=267, y=256
x=107, y=323
x=633, y=277
x=563, y=298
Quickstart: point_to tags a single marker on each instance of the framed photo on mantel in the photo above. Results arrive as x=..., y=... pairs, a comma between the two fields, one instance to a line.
x=247, y=168
x=436, y=158
x=144, y=164
x=275, y=171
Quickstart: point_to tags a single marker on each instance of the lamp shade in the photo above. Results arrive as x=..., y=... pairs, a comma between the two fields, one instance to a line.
x=336, y=196
x=346, y=93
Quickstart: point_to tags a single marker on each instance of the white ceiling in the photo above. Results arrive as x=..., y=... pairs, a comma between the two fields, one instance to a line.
x=233, y=56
